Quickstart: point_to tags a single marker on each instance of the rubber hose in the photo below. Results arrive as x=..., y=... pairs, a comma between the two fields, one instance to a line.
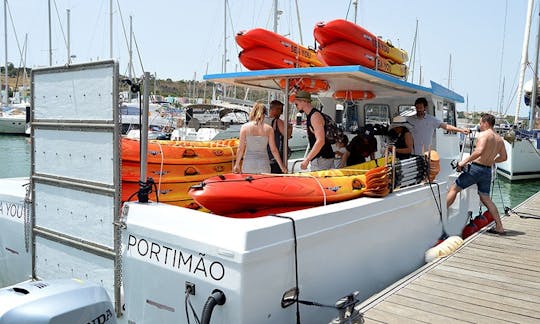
x=217, y=298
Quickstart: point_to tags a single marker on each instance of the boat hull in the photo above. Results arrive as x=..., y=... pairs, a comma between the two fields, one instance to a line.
x=360, y=244
x=15, y=262
x=523, y=160
x=12, y=125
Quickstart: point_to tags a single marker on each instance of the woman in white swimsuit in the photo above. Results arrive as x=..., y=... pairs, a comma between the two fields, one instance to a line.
x=255, y=135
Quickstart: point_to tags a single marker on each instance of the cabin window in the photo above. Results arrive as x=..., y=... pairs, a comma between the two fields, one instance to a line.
x=376, y=114
x=406, y=110
x=449, y=113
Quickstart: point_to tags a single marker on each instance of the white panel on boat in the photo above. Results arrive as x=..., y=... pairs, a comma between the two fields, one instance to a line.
x=14, y=255
x=76, y=213
x=59, y=261
x=75, y=154
x=75, y=172
x=84, y=94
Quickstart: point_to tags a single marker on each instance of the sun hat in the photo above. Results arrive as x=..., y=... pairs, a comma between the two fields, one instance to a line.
x=401, y=121
x=303, y=95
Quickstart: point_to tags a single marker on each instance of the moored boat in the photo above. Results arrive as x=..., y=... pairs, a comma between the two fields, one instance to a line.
x=243, y=270
x=13, y=120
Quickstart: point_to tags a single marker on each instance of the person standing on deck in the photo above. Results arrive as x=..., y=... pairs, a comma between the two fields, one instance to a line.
x=277, y=124
x=425, y=124
x=255, y=135
x=488, y=151
x=321, y=154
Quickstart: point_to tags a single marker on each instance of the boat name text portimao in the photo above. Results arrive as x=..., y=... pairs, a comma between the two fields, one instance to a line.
x=162, y=254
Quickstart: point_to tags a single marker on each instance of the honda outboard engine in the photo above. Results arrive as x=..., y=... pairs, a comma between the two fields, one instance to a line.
x=56, y=301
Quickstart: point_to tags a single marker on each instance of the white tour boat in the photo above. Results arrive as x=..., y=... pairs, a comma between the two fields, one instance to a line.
x=160, y=263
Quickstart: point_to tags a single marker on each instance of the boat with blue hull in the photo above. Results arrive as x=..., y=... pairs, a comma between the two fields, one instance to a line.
x=156, y=260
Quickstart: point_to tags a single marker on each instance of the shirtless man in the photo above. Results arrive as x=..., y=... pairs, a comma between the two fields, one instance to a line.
x=489, y=150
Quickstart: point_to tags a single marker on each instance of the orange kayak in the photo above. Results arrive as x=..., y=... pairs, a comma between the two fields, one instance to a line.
x=347, y=53
x=264, y=58
x=339, y=29
x=168, y=192
x=259, y=37
x=240, y=193
x=182, y=152
x=165, y=173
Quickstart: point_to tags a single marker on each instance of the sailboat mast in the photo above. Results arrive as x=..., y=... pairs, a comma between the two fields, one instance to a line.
x=355, y=3
x=68, y=37
x=299, y=23
x=275, y=15
x=413, y=52
x=111, y=28
x=6, y=53
x=50, y=36
x=449, y=71
x=224, y=68
x=523, y=65
x=534, y=91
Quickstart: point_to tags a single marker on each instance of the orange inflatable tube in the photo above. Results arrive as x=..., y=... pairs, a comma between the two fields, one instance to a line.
x=306, y=84
x=353, y=94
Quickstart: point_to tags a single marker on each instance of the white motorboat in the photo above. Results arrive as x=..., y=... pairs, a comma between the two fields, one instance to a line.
x=13, y=120
x=523, y=146
x=162, y=264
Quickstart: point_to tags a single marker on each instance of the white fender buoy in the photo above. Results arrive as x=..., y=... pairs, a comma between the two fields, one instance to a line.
x=445, y=248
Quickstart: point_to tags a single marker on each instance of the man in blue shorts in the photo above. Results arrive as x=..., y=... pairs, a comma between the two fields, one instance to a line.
x=477, y=168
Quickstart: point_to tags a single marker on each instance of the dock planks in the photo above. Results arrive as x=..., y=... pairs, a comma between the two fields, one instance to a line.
x=491, y=279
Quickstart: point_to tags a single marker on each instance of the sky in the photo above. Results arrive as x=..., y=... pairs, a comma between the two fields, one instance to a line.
x=472, y=46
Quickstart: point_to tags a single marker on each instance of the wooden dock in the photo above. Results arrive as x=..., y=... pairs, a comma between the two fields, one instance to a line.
x=490, y=279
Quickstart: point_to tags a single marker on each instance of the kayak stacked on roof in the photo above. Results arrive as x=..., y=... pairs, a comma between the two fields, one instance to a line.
x=264, y=49
x=175, y=166
x=345, y=43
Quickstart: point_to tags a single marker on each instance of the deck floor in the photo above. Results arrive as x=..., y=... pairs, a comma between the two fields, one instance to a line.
x=490, y=279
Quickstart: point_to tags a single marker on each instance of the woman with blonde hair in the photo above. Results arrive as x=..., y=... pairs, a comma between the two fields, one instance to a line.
x=255, y=135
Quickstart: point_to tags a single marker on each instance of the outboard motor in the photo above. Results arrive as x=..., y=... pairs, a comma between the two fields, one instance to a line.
x=56, y=301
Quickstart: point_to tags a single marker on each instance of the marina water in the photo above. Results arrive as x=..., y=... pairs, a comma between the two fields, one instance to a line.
x=15, y=162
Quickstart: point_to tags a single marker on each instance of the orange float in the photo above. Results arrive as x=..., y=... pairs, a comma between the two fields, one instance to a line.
x=306, y=84
x=353, y=94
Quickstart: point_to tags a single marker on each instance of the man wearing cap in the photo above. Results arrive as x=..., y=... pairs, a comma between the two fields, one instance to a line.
x=321, y=155
x=425, y=124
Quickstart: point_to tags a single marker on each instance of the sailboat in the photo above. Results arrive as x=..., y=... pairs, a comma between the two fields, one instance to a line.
x=523, y=145
x=13, y=117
